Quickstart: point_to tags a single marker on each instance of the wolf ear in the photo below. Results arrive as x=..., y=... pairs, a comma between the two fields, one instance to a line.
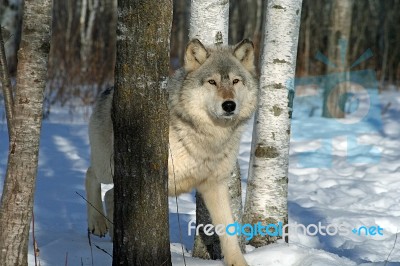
x=244, y=52
x=196, y=55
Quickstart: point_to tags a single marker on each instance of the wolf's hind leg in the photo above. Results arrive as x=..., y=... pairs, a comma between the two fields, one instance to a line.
x=216, y=198
x=109, y=199
x=96, y=219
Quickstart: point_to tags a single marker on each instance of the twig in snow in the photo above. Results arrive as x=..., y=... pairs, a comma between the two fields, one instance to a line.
x=90, y=245
x=102, y=249
x=35, y=245
x=390, y=253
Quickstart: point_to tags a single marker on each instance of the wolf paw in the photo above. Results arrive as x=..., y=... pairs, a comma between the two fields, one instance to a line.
x=236, y=262
x=97, y=225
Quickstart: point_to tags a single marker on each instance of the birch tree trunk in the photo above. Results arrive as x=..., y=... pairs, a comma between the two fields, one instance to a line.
x=19, y=186
x=266, y=197
x=334, y=100
x=140, y=122
x=207, y=18
x=209, y=22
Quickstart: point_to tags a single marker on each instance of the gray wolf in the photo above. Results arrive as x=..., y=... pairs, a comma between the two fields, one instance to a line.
x=210, y=99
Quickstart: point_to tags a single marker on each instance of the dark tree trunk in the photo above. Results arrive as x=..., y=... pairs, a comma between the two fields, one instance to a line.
x=19, y=186
x=179, y=36
x=140, y=117
x=205, y=247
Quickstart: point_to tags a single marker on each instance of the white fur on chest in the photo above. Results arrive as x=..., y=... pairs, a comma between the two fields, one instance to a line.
x=199, y=156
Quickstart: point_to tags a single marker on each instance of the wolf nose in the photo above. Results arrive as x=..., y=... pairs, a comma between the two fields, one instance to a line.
x=229, y=106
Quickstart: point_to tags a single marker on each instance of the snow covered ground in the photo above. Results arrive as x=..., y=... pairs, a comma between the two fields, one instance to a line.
x=339, y=175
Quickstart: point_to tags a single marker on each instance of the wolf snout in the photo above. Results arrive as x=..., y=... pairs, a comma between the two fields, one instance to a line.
x=229, y=107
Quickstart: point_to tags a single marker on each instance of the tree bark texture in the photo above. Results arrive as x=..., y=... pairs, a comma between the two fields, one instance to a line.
x=207, y=18
x=266, y=198
x=140, y=122
x=17, y=199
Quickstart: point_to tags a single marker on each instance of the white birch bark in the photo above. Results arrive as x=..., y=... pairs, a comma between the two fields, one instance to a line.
x=207, y=18
x=266, y=199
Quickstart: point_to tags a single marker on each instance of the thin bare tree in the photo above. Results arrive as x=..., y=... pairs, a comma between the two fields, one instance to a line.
x=6, y=87
x=17, y=200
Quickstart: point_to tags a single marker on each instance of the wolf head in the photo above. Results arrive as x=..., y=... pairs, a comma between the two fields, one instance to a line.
x=218, y=83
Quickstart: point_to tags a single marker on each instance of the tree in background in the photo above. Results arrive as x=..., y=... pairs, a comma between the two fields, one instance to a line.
x=375, y=24
x=82, y=55
x=245, y=22
x=179, y=34
x=245, y=19
x=140, y=124
x=89, y=9
x=340, y=28
x=17, y=199
x=266, y=197
x=11, y=20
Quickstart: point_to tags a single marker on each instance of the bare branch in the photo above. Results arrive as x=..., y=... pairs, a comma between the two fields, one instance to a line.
x=6, y=85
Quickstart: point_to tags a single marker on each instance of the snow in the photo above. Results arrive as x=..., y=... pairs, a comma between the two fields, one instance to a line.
x=339, y=175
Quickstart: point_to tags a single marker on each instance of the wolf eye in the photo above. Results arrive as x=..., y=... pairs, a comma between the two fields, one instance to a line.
x=235, y=81
x=212, y=82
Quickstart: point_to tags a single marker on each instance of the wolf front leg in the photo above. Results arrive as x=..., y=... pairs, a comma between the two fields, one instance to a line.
x=97, y=224
x=216, y=197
